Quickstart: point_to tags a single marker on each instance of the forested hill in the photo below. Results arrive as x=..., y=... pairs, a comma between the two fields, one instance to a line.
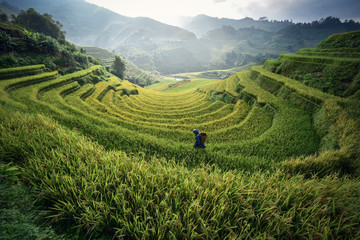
x=88, y=24
x=308, y=34
x=158, y=47
x=246, y=42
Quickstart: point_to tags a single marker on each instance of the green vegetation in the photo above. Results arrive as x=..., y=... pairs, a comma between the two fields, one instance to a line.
x=115, y=160
x=214, y=74
x=332, y=67
x=21, y=215
x=184, y=85
x=349, y=40
x=36, y=22
x=21, y=47
x=118, y=67
x=21, y=71
x=132, y=73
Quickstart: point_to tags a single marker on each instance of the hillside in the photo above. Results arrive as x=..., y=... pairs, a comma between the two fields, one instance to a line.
x=21, y=47
x=238, y=47
x=202, y=24
x=309, y=35
x=132, y=72
x=333, y=66
x=157, y=47
x=115, y=160
x=89, y=25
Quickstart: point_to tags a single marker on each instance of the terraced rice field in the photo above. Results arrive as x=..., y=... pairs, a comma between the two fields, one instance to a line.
x=119, y=159
x=168, y=118
x=331, y=67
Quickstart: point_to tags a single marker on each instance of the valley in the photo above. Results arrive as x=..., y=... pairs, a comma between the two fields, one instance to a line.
x=117, y=160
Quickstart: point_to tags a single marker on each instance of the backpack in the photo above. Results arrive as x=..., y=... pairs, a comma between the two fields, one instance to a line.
x=203, y=137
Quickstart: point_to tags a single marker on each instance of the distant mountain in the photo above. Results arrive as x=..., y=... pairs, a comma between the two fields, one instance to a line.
x=88, y=24
x=140, y=39
x=242, y=46
x=309, y=35
x=8, y=9
x=201, y=24
x=157, y=47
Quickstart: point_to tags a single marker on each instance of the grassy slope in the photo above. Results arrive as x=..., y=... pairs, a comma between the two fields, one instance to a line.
x=332, y=67
x=132, y=71
x=214, y=74
x=109, y=163
x=192, y=84
x=271, y=205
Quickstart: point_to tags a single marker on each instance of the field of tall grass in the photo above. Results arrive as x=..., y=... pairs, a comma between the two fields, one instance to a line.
x=115, y=160
x=135, y=197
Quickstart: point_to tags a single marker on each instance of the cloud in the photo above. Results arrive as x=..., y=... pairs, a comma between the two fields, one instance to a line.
x=219, y=1
x=305, y=10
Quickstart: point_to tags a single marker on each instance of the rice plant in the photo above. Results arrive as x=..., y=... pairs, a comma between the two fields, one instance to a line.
x=117, y=160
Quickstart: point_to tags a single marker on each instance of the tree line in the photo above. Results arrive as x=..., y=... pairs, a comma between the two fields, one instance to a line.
x=41, y=27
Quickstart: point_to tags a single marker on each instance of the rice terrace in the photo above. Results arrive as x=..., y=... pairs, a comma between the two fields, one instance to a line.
x=108, y=159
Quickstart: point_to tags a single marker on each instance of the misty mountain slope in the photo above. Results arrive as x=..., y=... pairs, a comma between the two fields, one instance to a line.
x=83, y=22
x=88, y=24
x=141, y=40
x=239, y=47
x=201, y=24
x=309, y=35
x=158, y=47
x=8, y=9
x=143, y=33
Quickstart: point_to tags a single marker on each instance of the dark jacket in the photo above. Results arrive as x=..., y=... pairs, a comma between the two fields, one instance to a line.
x=198, y=143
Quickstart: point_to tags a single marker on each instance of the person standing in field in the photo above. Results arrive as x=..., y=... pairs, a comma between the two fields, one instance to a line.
x=200, y=139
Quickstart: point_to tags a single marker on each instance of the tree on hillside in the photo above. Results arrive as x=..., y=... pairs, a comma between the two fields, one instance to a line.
x=6, y=43
x=263, y=19
x=118, y=67
x=36, y=22
x=4, y=18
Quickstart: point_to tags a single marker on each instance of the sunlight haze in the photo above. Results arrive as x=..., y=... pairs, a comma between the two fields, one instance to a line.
x=171, y=12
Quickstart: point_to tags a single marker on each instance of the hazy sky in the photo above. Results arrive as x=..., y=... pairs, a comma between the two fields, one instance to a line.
x=169, y=11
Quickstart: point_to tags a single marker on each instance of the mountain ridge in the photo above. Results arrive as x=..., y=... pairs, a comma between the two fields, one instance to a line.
x=157, y=47
x=75, y=15
x=202, y=23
